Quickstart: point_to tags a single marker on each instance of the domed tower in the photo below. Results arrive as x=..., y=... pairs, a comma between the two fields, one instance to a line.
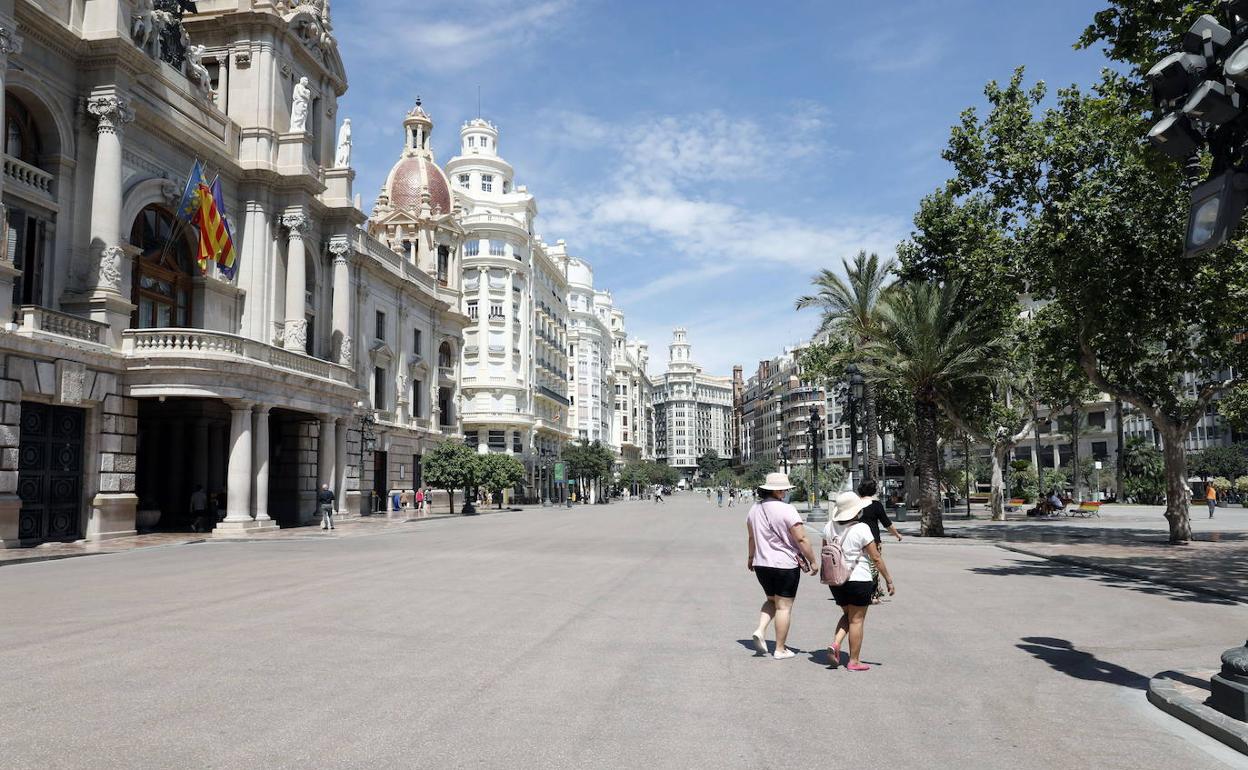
x=416, y=172
x=415, y=214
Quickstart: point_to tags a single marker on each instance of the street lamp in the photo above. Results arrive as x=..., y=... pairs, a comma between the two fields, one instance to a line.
x=368, y=442
x=856, y=382
x=815, y=503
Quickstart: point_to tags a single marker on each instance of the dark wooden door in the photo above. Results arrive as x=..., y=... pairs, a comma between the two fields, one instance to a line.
x=381, y=481
x=50, y=473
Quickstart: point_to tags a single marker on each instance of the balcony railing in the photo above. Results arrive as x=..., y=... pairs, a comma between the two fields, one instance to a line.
x=548, y=393
x=29, y=177
x=157, y=343
x=36, y=319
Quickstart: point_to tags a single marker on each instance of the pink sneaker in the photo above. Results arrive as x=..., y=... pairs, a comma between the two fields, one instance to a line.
x=858, y=667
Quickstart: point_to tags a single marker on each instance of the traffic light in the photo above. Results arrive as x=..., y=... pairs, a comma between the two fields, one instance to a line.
x=1198, y=92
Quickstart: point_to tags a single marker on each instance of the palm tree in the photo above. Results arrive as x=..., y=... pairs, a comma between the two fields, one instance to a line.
x=930, y=342
x=851, y=306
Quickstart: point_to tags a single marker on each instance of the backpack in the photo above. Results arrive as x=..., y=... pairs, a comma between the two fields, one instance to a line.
x=833, y=569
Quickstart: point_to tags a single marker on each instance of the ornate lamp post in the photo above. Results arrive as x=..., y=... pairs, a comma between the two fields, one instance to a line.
x=545, y=477
x=368, y=442
x=816, y=505
x=852, y=400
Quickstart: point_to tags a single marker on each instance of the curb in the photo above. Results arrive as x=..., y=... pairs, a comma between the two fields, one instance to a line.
x=1077, y=561
x=62, y=556
x=1163, y=694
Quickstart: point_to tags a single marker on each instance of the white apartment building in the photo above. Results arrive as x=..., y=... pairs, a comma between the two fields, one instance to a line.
x=692, y=410
x=631, y=390
x=590, y=368
x=514, y=381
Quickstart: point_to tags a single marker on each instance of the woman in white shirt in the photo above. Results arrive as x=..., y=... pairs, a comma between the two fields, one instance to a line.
x=854, y=597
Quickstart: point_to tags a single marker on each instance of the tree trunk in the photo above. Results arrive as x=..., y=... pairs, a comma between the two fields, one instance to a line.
x=1119, y=492
x=1000, y=454
x=1176, y=483
x=871, y=430
x=1076, y=413
x=930, y=517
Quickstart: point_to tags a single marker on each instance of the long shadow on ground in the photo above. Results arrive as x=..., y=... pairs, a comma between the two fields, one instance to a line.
x=1063, y=656
x=1193, y=571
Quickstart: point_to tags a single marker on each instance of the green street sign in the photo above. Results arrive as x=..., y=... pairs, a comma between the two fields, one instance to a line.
x=561, y=473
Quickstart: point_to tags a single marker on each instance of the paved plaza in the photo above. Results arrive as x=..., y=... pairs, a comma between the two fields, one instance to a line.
x=605, y=636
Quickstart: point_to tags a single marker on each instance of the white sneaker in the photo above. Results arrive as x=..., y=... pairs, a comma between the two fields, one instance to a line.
x=784, y=654
x=760, y=644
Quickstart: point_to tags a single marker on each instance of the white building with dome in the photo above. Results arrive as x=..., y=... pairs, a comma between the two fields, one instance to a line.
x=514, y=379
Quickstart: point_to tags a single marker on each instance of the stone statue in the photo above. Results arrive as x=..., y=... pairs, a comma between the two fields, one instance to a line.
x=143, y=28
x=196, y=71
x=343, y=157
x=299, y=107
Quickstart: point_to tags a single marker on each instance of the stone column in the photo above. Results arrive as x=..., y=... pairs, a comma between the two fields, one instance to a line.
x=296, y=328
x=340, y=248
x=260, y=431
x=238, y=498
x=10, y=44
x=326, y=447
x=341, y=458
x=106, y=298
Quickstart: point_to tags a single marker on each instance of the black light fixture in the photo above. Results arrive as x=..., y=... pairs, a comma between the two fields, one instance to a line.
x=1176, y=75
x=1175, y=136
x=1217, y=206
x=1206, y=37
x=1214, y=103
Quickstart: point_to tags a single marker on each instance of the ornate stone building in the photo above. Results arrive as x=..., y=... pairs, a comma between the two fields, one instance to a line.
x=409, y=310
x=128, y=377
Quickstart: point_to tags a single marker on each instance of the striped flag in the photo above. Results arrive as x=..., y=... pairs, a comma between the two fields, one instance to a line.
x=227, y=257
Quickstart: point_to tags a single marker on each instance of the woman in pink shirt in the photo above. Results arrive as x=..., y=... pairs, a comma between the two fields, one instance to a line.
x=778, y=553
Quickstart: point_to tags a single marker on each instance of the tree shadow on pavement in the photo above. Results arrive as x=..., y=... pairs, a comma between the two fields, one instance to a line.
x=1083, y=531
x=1063, y=656
x=1192, y=573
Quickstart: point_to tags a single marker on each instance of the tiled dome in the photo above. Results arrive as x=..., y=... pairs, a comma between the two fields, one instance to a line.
x=409, y=176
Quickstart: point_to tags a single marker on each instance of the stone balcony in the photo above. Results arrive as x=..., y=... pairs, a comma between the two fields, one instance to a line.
x=23, y=176
x=490, y=220
x=155, y=344
x=42, y=322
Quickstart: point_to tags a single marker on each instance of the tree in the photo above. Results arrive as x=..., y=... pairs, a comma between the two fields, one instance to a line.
x=451, y=466
x=724, y=477
x=1099, y=220
x=755, y=474
x=1023, y=481
x=851, y=307
x=1228, y=461
x=710, y=462
x=932, y=344
x=1143, y=471
x=500, y=472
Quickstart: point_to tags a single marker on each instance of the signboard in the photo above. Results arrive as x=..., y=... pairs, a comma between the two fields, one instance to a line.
x=561, y=473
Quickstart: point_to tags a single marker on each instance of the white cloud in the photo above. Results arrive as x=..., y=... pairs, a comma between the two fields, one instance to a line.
x=895, y=51
x=450, y=37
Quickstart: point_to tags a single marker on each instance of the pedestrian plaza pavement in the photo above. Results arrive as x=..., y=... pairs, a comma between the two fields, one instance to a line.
x=594, y=637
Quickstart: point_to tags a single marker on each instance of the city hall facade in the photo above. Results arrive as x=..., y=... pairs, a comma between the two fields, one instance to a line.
x=129, y=377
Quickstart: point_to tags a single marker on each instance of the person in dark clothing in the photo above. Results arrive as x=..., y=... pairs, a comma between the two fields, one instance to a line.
x=325, y=499
x=874, y=516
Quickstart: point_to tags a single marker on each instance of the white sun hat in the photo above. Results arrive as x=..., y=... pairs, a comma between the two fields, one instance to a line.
x=848, y=506
x=776, y=482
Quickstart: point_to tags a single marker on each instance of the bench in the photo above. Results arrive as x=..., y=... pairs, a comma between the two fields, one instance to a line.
x=1015, y=503
x=1085, y=510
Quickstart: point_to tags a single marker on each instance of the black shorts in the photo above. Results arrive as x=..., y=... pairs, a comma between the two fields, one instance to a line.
x=855, y=593
x=779, y=581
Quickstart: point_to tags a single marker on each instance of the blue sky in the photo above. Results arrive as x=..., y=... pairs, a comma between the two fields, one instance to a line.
x=707, y=157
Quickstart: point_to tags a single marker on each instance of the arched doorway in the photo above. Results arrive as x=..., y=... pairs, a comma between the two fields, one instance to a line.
x=163, y=270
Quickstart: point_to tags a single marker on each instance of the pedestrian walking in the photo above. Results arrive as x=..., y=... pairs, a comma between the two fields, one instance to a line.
x=875, y=516
x=420, y=501
x=658, y=493
x=732, y=497
x=325, y=498
x=199, y=509
x=778, y=554
x=854, y=595
x=1211, y=497
x=719, y=496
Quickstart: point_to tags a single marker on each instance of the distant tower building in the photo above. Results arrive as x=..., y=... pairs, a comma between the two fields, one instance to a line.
x=692, y=410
